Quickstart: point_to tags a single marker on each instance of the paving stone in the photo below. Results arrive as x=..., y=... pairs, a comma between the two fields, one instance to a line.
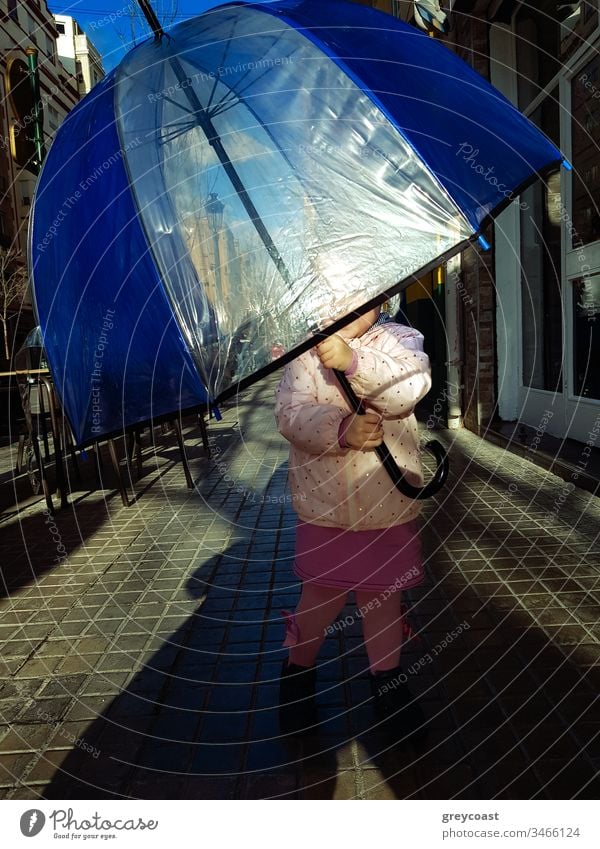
x=210, y=759
x=278, y=786
x=23, y=738
x=559, y=780
x=86, y=708
x=10, y=709
x=451, y=782
x=39, y=667
x=25, y=792
x=167, y=757
x=61, y=685
x=48, y=764
x=13, y=767
x=79, y=663
x=215, y=787
x=379, y=786
x=144, y=786
x=316, y=784
x=45, y=710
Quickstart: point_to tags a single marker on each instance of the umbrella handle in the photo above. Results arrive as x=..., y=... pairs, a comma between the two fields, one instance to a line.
x=390, y=465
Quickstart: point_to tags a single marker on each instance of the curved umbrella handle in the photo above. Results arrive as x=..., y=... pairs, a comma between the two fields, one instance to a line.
x=390, y=465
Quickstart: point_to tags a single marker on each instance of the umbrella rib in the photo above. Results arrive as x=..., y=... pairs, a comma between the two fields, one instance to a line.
x=238, y=91
x=233, y=97
x=179, y=105
x=226, y=50
x=235, y=93
x=176, y=131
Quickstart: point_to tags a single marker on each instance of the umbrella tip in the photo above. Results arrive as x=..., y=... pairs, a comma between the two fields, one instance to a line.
x=484, y=243
x=567, y=165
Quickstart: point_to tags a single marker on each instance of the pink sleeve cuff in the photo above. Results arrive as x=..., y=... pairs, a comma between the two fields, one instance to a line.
x=353, y=365
x=342, y=432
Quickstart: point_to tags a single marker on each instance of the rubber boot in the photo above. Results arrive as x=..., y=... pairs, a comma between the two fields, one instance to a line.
x=297, y=702
x=400, y=716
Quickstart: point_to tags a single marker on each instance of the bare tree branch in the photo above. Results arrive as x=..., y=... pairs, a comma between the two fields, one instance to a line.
x=13, y=286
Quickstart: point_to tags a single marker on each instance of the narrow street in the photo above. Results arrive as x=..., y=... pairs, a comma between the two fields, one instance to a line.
x=142, y=645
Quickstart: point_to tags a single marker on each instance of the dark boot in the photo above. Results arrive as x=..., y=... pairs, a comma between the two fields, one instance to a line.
x=297, y=703
x=400, y=715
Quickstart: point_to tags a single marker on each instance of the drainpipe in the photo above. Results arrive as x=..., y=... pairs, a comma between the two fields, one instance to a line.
x=38, y=113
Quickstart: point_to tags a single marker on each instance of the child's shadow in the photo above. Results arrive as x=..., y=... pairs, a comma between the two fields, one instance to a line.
x=199, y=720
x=351, y=744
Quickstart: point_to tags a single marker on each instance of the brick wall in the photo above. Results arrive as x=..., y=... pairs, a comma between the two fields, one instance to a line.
x=477, y=301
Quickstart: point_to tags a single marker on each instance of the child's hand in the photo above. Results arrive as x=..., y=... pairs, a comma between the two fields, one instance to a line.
x=335, y=353
x=364, y=433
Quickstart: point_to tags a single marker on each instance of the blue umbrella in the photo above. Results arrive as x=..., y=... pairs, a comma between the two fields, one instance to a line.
x=238, y=187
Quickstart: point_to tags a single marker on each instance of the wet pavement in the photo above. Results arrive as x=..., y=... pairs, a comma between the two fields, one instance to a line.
x=141, y=646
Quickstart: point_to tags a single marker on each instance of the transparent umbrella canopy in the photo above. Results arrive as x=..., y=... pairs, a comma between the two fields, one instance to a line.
x=253, y=179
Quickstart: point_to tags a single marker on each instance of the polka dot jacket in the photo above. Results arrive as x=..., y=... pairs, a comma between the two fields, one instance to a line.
x=342, y=487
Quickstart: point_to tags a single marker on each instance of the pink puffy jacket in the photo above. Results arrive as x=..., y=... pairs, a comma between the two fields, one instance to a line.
x=343, y=487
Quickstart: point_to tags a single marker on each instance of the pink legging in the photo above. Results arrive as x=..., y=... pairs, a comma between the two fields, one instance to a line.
x=318, y=608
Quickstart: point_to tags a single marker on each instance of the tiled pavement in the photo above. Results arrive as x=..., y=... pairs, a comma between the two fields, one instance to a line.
x=144, y=664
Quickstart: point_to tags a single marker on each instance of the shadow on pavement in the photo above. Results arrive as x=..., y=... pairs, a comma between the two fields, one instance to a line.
x=509, y=706
x=33, y=545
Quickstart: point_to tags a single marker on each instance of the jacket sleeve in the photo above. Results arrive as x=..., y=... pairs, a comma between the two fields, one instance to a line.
x=308, y=425
x=395, y=377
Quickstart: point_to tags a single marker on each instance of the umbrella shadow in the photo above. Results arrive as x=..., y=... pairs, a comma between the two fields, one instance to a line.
x=200, y=718
x=36, y=544
x=201, y=715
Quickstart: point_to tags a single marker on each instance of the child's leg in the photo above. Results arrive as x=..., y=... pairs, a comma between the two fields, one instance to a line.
x=317, y=608
x=382, y=628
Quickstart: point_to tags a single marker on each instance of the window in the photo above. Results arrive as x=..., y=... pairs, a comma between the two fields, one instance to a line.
x=52, y=117
x=60, y=27
x=537, y=35
x=586, y=343
x=5, y=238
x=13, y=10
x=585, y=135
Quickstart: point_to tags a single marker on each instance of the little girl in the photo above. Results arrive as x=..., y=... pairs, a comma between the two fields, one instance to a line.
x=355, y=530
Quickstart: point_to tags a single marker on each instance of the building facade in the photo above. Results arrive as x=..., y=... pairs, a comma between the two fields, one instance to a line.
x=25, y=25
x=530, y=354
x=517, y=342
x=78, y=54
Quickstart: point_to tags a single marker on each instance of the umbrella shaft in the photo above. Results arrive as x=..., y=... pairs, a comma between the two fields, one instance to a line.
x=153, y=21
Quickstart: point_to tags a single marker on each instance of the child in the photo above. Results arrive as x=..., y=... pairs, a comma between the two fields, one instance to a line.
x=355, y=530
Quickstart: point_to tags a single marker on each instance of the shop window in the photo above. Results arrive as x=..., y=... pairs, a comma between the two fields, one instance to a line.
x=585, y=136
x=537, y=36
x=586, y=339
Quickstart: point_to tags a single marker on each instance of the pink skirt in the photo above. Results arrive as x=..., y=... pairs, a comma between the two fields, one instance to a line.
x=360, y=560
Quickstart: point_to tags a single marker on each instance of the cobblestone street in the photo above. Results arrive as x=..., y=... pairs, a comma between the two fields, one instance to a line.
x=141, y=660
